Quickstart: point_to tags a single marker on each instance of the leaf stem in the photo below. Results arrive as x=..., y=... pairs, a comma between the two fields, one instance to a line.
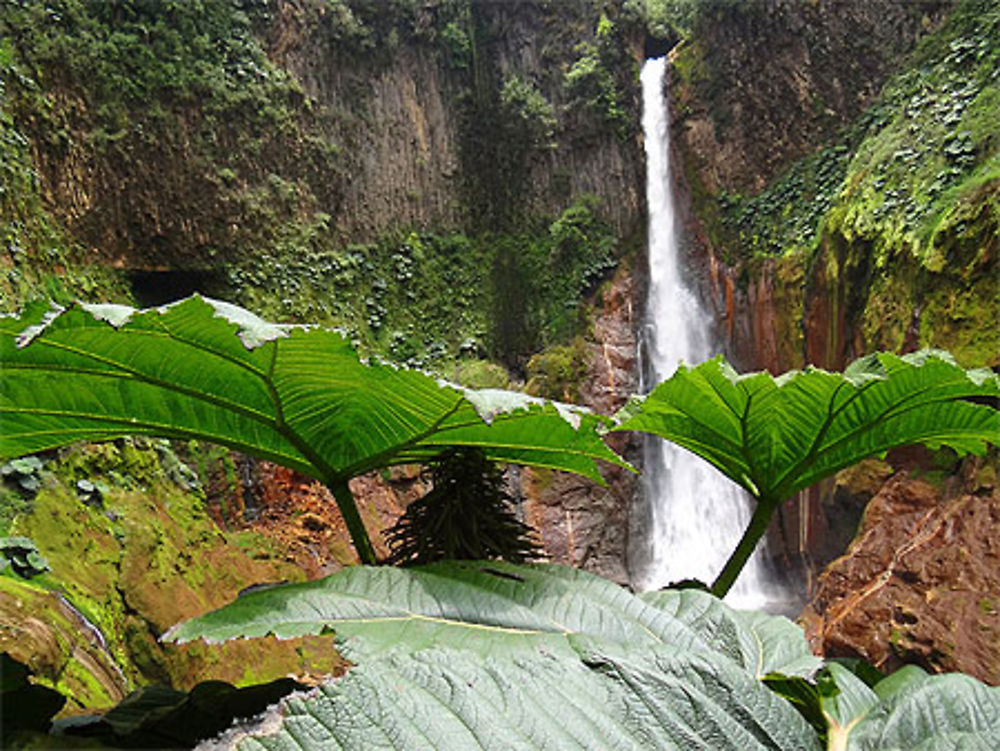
x=748, y=543
x=355, y=527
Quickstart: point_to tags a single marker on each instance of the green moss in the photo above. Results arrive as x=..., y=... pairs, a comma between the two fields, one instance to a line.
x=892, y=175
x=38, y=260
x=898, y=221
x=43, y=632
x=557, y=372
x=482, y=374
x=146, y=555
x=889, y=313
x=420, y=298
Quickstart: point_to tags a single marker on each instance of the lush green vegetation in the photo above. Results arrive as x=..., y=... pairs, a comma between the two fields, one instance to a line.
x=892, y=223
x=490, y=651
x=234, y=173
x=929, y=144
x=486, y=654
x=39, y=260
x=592, y=80
x=429, y=300
x=301, y=397
x=211, y=371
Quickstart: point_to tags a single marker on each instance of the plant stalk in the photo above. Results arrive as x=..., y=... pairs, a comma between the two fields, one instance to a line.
x=748, y=543
x=355, y=527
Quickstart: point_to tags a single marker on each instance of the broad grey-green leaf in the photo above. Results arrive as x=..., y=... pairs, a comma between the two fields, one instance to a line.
x=446, y=699
x=489, y=607
x=913, y=711
x=760, y=642
x=776, y=436
x=847, y=707
x=300, y=397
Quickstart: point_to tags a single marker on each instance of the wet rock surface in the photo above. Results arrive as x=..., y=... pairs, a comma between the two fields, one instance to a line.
x=580, y=523
x=127, y=569
x=921, y=581
x=765, y=81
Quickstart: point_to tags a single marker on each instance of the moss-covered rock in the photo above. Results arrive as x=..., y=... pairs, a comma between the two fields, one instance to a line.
x=895, y=221
x=128, y=565
x=42, y=629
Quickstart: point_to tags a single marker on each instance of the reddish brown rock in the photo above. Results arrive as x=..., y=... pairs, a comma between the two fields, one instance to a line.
x=580, y=522
x=301, y=514
x=921, y=581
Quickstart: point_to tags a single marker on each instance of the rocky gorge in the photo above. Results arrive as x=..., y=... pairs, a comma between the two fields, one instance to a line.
x=459, y=185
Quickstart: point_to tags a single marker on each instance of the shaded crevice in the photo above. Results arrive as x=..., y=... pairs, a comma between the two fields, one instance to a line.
x=152, y=288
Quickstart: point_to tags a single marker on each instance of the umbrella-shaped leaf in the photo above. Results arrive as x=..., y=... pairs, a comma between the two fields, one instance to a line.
x=298, y=396
x=486, y=654
x=776, y=436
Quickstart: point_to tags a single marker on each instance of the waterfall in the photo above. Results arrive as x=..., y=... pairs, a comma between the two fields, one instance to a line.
x=692, y=516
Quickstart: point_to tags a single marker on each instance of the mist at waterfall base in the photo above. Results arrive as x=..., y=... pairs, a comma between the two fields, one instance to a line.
x=690, y=516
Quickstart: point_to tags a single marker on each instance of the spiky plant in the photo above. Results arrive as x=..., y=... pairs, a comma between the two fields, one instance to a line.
x=468, y=515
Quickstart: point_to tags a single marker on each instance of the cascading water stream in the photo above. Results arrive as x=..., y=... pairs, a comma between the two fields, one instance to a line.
x=694, y=516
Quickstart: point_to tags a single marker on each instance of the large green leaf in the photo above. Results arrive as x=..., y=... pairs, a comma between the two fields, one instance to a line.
x=465, y=655
x=761, y=643
x=298, y=396
x=445, y=699
x=776, y=436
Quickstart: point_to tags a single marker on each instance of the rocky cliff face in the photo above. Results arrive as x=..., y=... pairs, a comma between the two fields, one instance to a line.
x=438, y=122
x=127, y=560
x=919, y=583
x=582, y=524
x=763, y=83
x=823, y=244
x=455, y=136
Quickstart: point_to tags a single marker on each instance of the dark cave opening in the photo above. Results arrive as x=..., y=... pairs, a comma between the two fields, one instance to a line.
x=154, y=288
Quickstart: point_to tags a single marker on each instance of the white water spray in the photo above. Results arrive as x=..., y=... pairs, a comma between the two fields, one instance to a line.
x=694, y=516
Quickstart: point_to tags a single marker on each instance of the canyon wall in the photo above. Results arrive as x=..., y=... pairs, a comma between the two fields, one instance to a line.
x=840, y=168
x=417, y=173
x=460, y=185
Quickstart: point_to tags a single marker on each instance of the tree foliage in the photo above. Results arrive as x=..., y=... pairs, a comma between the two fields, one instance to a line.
x=468, y=515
